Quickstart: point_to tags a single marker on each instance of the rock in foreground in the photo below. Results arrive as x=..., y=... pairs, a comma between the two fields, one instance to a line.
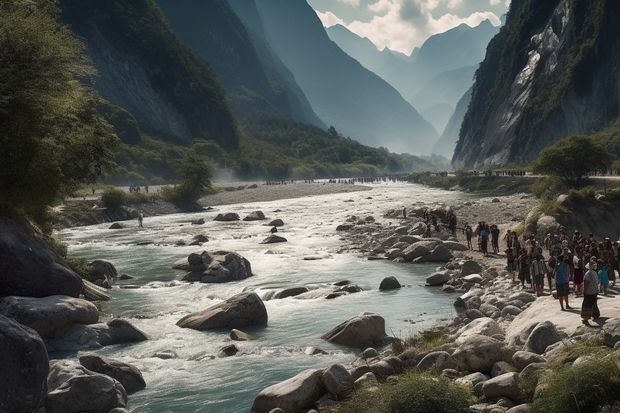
x=360, y=331
x=241, y=310
x=217, y=267
x=129, y=376
x=292, y=395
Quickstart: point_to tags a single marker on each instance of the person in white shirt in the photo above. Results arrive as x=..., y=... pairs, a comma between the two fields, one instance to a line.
x=589, y=308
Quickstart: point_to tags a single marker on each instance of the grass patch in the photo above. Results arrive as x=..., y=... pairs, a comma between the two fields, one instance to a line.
x=414, y=392
x=483, y=185
x=428, y=339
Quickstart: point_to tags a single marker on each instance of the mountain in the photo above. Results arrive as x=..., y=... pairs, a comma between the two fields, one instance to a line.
x=447, y=141
x=256, y=82
x=144, y=69
x=342, y=92
x=550, y=72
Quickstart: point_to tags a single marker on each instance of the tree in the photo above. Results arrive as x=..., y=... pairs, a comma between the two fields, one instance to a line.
x=194, y=174
x=571, y=159
x=52, y=138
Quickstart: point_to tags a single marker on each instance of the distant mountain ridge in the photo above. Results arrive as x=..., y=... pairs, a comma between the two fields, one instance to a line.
x=342, y=92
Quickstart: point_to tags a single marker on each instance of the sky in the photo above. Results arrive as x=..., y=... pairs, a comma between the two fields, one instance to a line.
x=402, y=25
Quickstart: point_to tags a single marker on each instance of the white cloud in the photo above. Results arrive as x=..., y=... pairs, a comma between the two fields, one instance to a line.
x=329, y=19
x=352, y=3
x=455, y=4
x=494, y=2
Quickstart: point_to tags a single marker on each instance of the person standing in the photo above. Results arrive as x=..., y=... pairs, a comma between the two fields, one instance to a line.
x=538, y=270
x=523, y=261
x=603, y=277
x=562, y=275
x=468, y=233
x=589, y=308
x=140, y=218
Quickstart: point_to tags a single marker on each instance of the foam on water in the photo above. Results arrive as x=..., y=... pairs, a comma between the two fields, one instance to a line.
x=179, y=366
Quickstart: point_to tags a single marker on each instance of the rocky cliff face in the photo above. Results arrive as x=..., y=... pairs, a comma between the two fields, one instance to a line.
x=143, y=68
x=550, y=72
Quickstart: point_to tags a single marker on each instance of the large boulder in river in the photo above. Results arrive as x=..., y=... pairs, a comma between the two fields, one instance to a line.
x=470, y=267
x=255, y=216
x=273, y=239
x=389, y=283
x=359, y=331
x=24, y=367
x=276, y=223
x=438, y=278
x=439, y=254
x=29, y=268
x=217, y=267
x=241, y=310
x=49, y=314
x=93, y=336
x=102, y=272
x=129, y=376
x=293, y=395
x=74, y=389
x=227, y=217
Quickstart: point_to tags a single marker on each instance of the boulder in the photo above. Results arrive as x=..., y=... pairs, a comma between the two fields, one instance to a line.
x=227, y=217
x=502, y=367
x=365, y=381
x=81, y=337
x=522, y=359
x=199, y=221
x=29, y=268
x=471, y=380
x=370, y=353
x=238, y=335
x=437, y=360
x=473, y=278
x=74, y=389
x=439, y=254
x=276, y=223
x=129, y=376
x=292, y=395
x=481, y=326
x=217, y=267
x=24, y=368
x=455, y=246
x=290, y=292
x=273, y=239
x=337, y=380
x=199, y=239
x=255, y=216
x=521, y=408
x=101, y=272
x=313, y=351
x=523, y=297
x=389, y=283
x=511, y=310
x=479, y=353
x=116, y=225
x=438, y=278
x=344, y=227
x=470, y=267
x=506, y=385
x=474, y=313
x=415, y=251
x=49, y=314
x=241, y=310
x=228, y=351
x=542, y=336
x=611, y=331
x=393, y=253
x=364, y=329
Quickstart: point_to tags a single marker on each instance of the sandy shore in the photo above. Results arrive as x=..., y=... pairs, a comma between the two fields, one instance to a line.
x=264, y=193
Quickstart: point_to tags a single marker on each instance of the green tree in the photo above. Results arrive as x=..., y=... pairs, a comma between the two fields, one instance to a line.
x=571, y=160
x=194, y=174
x=51, y=137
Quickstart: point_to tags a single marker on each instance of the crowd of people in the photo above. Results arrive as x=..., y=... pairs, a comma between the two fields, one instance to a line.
x=559, y=259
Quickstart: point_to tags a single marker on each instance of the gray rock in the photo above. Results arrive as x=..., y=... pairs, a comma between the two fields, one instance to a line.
x=29, y=268
x=228, y=351
x=276, y=223
x=523, y=297
x=276, y=410
x=611, y=331
x=365, y=381
x=521, y=359
x=470, y=267
x=290, y=292
x=216, y=267
x=24, y=368
x=521, y=408
x=241, y=310
x=337, y=380
x=364, y=329
x=506, y=385
x=370, y=353
x=481, y=326
x=479, y=353
x=49, y=314
x=471, y=380
x=292, y=395
x=313, y=351
x=455, y=246
x=439, y=254
x=116, y=225
x=393, y=253
x=511, y=310
x=437, y=360
x=74, y=389
x=474, y=313
x=389, y=283
x=382, y=369
x=438, y=278
x=273, y=239
x=129, y=376
x=255, y=216
x=102, y=272
x=200, y=221
x=502, y=367
x=93, y=336
x=473, y=278
x=542, y=336
x=344, y=227
x=489, y=310
x=238, y=335
x=227, y=217
x=417, y=250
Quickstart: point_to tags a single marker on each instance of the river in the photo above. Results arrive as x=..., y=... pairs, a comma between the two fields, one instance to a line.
x=178, y=364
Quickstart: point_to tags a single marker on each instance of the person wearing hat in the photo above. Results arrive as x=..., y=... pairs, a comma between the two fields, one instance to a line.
x=589, y=307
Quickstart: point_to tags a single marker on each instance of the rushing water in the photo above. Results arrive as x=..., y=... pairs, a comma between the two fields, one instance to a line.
x=191, y=380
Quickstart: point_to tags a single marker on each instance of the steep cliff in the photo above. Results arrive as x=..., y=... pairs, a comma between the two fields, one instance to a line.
x=252, y=76
x=447, y=141
x=550, y=72
x=144, y=69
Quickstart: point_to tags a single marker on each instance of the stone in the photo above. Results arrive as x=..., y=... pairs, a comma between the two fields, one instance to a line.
x=389, y=283
x=382, y=369
x=439, y=254
x=24, y=365
x=471, y=380
x=611, y=331
x=255, y=216
x=502, y=367
x=227, y=217
x=199, y=239
x=438, y=278
x=522, y=359
x=290, y=292
x=473, y=278
x=437, y=360
x=521, y=408
x=116, y=225
x=506, y=385
x=470, y=267
x=415, y=251
x=364, y=329
x=365, y=381
x=241, y=310
x=73, y=388
x=199, y=221
x=542, y=336
x=479, y=353
x=489, y=310
x=344, y=227
x=511, y=310
x=481, y=326
x=337, y=380
x=128, y=375
x=313, y=351
x=49, y=314
x=29, y=268
x=370, y=353
x=228, y=351
x=292, y=395
x=393, y=253
x=81, y=337
x=523, y=297
x=273, y=239
x=276, y=223
x=238, y=335
x=455, y=246
x=276, y=410
x=101, y=272
x=474, y=313
x=217, y=267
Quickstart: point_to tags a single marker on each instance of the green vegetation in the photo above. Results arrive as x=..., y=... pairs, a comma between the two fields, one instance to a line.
x=491, y=185
x=413, y=392
x=51, y=135
x=113, y=198
x=194, y=174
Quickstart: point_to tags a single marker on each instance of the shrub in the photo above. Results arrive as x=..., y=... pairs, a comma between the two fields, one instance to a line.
x=113, y=198
x=585, y=387
x=428, y=339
